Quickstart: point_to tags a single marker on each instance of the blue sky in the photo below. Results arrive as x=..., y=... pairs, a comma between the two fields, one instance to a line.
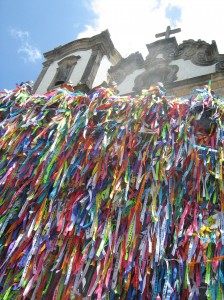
x=30, y=28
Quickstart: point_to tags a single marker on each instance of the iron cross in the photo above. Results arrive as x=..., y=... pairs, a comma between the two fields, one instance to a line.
x=167, y=33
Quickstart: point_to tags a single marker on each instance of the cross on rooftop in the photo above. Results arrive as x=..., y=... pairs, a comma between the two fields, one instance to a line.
x=168, y=32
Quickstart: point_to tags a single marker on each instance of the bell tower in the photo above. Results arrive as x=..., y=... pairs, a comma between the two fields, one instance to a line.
x=77, y=62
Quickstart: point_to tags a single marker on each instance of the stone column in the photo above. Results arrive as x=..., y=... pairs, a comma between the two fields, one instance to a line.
x=92, y=66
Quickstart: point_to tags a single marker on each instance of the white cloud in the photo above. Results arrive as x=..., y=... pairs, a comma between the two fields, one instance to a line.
x=22, y=35
x=134, y=23
x=30, y=52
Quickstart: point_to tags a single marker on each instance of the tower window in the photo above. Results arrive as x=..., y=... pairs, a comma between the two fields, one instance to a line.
x=64, y=70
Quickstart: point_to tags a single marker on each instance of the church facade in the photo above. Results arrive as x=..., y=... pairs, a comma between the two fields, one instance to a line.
x=94, y=61
x=80, y=62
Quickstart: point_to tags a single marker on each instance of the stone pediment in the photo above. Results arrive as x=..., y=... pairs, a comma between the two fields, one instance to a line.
x=156, y=65
x=163, y=63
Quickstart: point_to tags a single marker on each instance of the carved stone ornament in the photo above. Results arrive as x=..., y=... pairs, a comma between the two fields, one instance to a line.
x=125, y=67
x=199, y=52
x=160, y=72
x=220, y=64
x=162, y=48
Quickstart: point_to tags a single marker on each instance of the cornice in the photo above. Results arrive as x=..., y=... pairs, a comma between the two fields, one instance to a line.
x=102, y=41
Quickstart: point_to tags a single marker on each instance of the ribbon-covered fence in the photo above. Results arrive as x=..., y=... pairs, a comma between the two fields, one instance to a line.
x=108, y=197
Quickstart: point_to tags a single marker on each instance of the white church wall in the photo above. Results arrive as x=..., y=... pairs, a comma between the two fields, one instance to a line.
x=189, y=70
x=81, y=65
x=46, y=80
x=101, y=74
x=75, y=76
x=127, y=85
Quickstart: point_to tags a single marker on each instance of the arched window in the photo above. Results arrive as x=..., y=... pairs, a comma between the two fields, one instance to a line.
x=64, y=70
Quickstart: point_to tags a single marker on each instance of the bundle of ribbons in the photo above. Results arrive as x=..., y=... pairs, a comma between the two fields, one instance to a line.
x=108, y=197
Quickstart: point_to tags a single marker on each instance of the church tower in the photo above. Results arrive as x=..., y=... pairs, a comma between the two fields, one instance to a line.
x=82, y=62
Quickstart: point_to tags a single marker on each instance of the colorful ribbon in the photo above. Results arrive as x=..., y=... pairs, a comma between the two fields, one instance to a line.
x=108, y=196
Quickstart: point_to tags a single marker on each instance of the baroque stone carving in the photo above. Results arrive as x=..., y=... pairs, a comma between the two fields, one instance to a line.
x=220, y=64
x=160, y=71
x=158, y=66
x=162, y=48
x=125, y=67
x=199, y=52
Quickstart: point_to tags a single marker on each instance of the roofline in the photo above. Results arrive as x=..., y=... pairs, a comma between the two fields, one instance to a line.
x=101, y=40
